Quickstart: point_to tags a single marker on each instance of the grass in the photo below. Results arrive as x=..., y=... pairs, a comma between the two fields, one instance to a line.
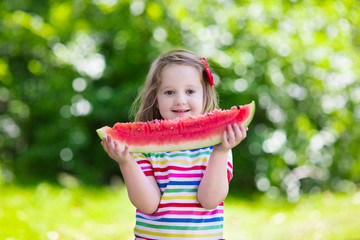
x=322, y=216
x=54, y=212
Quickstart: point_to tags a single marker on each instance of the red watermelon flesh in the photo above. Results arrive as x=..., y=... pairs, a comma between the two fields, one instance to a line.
x=180, y=133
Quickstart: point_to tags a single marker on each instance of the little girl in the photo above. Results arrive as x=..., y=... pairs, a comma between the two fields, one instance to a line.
x=179, y=194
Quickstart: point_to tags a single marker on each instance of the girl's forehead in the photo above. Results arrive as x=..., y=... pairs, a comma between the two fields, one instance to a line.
x=180, y=66
x=179, y=69
x=180, y=74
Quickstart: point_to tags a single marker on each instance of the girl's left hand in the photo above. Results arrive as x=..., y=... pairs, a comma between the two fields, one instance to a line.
x=232, y=137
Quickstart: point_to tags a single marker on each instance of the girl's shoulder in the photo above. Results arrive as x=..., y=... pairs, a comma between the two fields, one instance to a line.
x=177, y=152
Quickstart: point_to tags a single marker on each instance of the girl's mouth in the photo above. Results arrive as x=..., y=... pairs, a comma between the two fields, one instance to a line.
x=181, y=111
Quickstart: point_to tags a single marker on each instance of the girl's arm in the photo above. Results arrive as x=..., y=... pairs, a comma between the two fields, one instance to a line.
x=143, y=191
x=214, y=185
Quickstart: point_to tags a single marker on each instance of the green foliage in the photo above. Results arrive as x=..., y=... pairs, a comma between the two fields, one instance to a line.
x=70, y=67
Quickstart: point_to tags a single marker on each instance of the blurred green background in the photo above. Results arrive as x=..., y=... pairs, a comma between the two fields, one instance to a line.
x=70, y=67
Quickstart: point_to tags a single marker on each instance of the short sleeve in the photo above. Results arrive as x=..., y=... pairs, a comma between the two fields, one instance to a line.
x=144, y=164
x=230, y=166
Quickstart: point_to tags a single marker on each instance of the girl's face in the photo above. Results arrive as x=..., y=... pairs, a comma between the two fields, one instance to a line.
x=180, y=93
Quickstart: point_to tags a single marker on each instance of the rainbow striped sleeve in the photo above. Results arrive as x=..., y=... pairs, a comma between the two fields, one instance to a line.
x=144, y=164
x=230, y=166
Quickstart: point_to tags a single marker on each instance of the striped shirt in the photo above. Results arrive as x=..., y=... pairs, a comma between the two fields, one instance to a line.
x=179, y=215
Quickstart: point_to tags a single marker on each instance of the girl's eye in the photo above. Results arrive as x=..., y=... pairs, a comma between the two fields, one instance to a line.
x=190, y=91
x=169, y=92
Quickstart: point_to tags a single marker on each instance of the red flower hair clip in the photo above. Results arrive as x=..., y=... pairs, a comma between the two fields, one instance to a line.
x=208, y=72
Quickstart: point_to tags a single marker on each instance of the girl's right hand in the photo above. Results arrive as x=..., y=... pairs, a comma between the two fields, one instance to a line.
x=231, y=137
x=113, y=150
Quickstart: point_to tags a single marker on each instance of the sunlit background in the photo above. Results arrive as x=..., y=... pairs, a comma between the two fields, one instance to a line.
x=70, y=67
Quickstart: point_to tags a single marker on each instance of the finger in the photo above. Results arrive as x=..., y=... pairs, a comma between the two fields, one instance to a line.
x=116, y=146
x=224, y=138
x=238, y=132
x=126, y=149
x=231, y=133
x=111, y=143
x=243, y=131
x=105, y=145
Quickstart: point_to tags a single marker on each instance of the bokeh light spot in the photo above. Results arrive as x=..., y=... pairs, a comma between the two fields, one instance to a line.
x=79, y=84
x=137, y=7
x=66, y=154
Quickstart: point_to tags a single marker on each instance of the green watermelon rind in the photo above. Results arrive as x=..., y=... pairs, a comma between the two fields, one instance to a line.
x=101, y=132
x=251, y=115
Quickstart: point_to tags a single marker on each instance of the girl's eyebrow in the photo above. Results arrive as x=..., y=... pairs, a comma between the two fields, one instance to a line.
x=164, y=88
x=187, y=86
x=168, y=88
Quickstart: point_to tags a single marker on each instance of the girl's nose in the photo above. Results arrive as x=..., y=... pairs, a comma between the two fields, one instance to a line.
x=180, y=99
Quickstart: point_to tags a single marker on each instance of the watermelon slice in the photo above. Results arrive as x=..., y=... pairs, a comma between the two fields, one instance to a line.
x=180, y=133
